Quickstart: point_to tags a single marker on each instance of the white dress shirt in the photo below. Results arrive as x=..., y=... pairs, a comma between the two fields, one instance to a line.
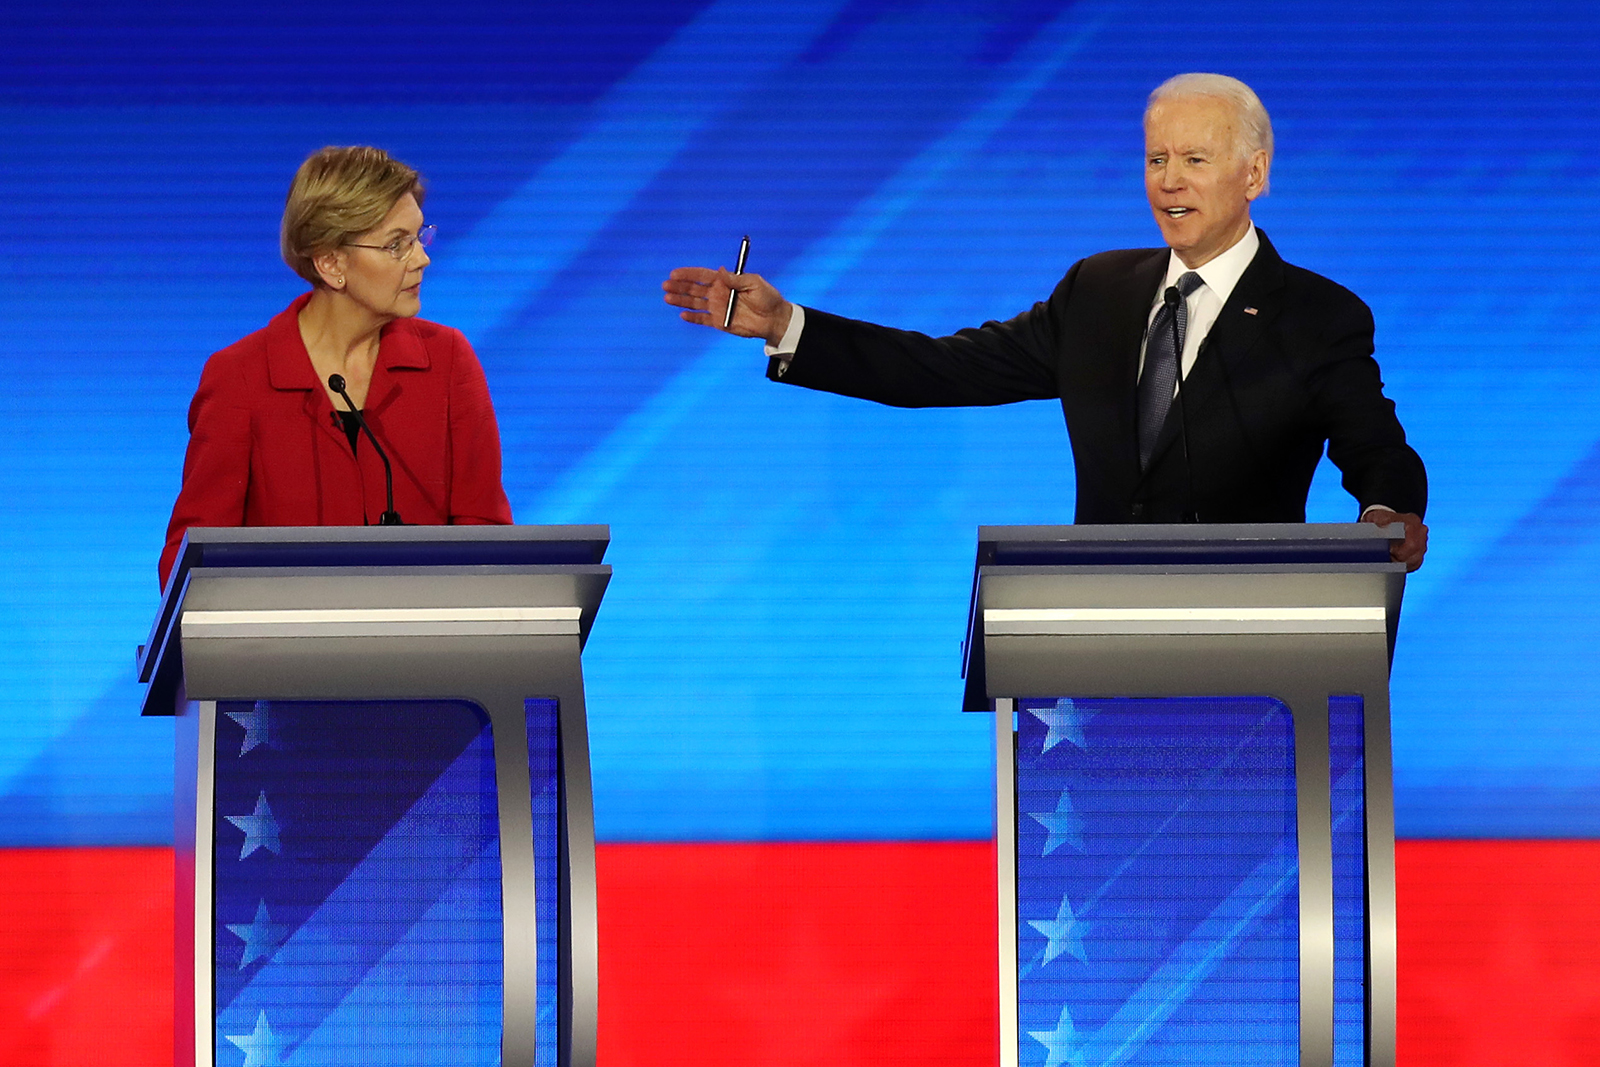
x=785, y=349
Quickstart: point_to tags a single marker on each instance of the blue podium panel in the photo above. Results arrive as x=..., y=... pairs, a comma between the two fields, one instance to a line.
x=544, y=783
x=1157, y=885
x=358, y=882
x=1347, y=775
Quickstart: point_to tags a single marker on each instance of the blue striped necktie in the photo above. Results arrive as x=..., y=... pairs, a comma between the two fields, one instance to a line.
x=1161, y=361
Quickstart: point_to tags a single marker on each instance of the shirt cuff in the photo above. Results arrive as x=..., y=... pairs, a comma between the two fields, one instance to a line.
x=786, y=347
x=1376, y=507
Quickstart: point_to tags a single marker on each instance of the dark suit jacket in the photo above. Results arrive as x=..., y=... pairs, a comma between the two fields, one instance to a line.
x=266, y=449
x=1270, y=386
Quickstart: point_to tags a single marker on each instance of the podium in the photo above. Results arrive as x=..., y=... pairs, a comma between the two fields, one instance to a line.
x=1194, y=808
x=383, y=822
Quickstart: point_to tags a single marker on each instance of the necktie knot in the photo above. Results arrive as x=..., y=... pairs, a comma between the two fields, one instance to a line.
x=1187, y=283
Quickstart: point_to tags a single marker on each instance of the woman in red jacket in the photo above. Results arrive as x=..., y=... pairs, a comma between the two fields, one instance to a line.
x=271, y=444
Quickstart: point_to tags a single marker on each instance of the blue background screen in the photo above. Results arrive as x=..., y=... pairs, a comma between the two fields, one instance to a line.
x=778, y=655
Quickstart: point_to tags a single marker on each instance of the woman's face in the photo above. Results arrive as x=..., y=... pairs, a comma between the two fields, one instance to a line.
x=384, y=285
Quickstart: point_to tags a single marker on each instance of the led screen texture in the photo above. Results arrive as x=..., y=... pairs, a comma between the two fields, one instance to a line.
x=778, y=655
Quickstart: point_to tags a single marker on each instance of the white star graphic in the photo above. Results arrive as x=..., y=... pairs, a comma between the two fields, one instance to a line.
x=261, y=936
x=1065, y=721
x=254, y=722
x=1064, y=933
x=1064, y=824
x=261, y=1047
x=1058, y=1042
x=260, y=829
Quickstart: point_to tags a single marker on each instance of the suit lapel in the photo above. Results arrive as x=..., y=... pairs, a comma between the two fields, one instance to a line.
x=399, y=348
x=1232, y=336
x=289, y=369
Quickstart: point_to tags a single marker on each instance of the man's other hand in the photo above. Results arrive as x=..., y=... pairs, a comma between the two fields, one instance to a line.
x=703, y=293
x=1414, y=547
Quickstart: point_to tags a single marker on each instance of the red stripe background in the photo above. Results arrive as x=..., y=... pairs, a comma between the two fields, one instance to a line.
x=793, y=955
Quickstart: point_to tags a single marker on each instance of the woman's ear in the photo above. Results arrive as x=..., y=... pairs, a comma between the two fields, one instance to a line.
x=331, y=267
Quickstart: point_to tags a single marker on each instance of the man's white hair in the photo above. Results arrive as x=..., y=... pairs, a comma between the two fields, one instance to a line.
x=1255, y=126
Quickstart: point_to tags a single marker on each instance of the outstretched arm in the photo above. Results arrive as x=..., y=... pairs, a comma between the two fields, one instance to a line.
x=997, y=363
x=703, y=294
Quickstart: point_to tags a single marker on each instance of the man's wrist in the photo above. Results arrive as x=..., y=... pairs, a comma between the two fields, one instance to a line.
x=780, y=325
x=793, y=319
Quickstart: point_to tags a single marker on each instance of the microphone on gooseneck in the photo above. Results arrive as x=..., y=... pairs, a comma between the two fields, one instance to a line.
x=390, y=517
x=1172, y=298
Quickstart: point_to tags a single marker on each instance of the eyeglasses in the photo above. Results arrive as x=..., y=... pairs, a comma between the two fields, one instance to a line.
x=400, y=248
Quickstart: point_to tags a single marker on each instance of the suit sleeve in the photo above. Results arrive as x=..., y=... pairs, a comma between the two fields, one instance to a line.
x=216, y=466
x=477, y=495
x=996, y=363
x=1365, y=439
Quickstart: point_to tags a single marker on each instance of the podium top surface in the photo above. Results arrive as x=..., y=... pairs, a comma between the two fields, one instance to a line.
x=1033, y=562
x=1191, y=544
x=359, y=549
x=389, y=546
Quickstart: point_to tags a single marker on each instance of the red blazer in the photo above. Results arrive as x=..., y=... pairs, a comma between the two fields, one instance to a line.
x=267, y=449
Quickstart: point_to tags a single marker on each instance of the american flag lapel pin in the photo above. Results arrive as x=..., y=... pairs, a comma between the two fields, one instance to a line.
x=1250, y=311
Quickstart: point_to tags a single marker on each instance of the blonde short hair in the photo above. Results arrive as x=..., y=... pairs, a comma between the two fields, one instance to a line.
x=1255, y=125
x=340, y=193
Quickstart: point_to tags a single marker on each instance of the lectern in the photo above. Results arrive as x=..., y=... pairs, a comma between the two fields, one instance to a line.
x=1193, y=791
x=384, y=830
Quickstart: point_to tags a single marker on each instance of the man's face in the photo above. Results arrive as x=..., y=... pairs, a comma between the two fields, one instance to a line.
x=1199, y=184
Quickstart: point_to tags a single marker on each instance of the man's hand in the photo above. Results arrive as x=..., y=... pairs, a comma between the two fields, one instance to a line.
x=1414, y=547
x=703, y=295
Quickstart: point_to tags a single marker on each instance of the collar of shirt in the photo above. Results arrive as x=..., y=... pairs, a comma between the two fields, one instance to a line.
x=1222, y=273
x=1220, y=276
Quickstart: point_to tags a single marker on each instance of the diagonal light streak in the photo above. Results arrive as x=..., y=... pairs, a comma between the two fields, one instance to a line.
x=1191, y=962
x=1144, y=846
x=317, y=957
x=530, y=237
x=371, y=1001
x=634, y=442
x=1161, y=994
x=1022, y=79
x=1183, y=806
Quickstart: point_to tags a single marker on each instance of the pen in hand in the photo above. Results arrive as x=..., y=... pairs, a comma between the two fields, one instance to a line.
x=733, y=297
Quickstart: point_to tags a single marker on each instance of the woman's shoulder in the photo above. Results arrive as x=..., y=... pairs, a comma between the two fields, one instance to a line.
x=251, y=347
x=248, y=361
x=433, y=345
x=435, y=336
x=243, y=361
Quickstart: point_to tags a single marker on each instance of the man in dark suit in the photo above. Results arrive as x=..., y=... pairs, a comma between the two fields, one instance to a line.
x=1274, y=361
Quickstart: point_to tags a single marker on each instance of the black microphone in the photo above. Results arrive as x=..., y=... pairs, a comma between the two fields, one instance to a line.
x=1172, y=298
x=390, y=517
